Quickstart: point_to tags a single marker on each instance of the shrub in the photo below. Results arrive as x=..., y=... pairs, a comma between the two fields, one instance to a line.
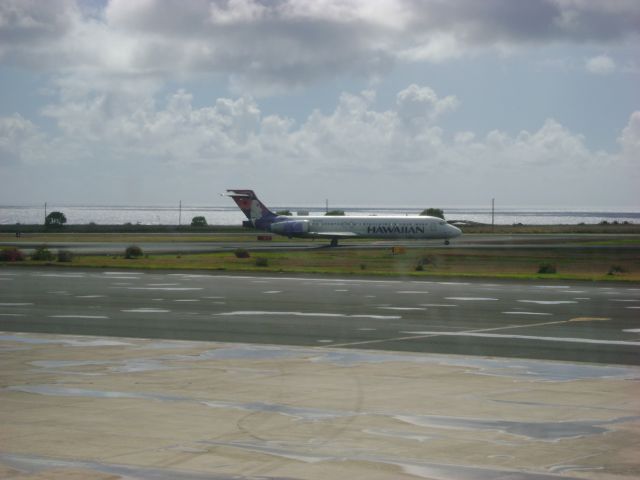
x=429, y=260
x=11, y=254
x=547, y=268
x=198, y=222
x=65, y=256
x=335, y=213
x=133, y=251
x=241, y=253
x=55, y=219
x=284, y=212
x=262, y=262
x=42, y=254
x=433, y=212
x=419, y=267
x=616, y=269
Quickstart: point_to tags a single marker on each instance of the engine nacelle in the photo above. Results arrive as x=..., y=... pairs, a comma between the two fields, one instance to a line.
x=291, y=228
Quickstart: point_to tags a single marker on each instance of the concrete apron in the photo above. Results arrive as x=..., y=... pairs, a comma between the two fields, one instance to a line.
x=98, y=408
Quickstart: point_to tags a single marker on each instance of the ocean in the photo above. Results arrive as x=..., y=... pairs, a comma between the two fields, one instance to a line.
x=230, y=215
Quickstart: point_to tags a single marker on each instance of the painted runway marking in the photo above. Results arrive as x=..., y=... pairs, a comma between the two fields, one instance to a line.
x=526, y=313
x=531, y=337
x=305, y=314
x=548, y=302
x=60, y=275
x=552, y=286
x=15, y=304
x=633, y=307
x=177, y=289
x=589, y=319
x=437, y=305
x=90, y=317
x=632, y=330
x=436, y=334
x=146, y=310
x=471, y=299
x=412, y=291
x=402, y=308
x=269, y=292
x=623, y=300
x=187, y=300
x=12, y=314
x=90, y=296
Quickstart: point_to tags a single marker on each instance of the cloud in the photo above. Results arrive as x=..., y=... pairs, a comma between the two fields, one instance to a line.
x=600, y=65
x=276, y=45
x=18, y=136
x=143, y=145
x=629, y=140
x=354, y=136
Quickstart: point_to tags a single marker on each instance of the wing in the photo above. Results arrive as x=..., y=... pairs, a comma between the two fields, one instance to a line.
x=335, y=234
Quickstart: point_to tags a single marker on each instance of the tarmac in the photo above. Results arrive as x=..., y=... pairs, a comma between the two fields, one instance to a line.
x=153, y=375
x=573, y=321
x=116, y=408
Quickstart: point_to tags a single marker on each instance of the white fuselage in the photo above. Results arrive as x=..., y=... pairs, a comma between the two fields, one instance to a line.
x=411, y=227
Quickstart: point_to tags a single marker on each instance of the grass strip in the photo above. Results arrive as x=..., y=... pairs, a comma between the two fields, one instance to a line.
x=570, y=264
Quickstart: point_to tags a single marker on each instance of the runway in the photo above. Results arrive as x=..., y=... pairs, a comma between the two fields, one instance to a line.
x=178, y=246
x=579, y=321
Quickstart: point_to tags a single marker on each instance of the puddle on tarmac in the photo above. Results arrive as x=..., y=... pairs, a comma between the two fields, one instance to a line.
x=301, y=413
x=547, y=431
x=534, y=369
x=515, y=368
x=74, y=342
x=33, y=465
x=59, y=391
x=244, y=352
x=431, y=471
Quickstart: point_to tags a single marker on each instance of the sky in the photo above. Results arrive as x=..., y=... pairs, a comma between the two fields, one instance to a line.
x=428, y=103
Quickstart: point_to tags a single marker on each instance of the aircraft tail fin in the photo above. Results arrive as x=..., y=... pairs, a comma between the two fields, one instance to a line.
x=257, y=212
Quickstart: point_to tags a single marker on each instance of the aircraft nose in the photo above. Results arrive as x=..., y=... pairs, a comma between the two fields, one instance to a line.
x=454, y=231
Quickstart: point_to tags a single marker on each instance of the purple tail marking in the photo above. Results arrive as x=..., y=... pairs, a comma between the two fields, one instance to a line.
x=256, y=211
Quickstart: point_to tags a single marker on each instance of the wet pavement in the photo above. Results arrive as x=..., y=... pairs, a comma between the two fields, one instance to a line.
x=99, y=407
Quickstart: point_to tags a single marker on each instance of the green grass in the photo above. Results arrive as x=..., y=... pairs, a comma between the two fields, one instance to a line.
x=571, y=264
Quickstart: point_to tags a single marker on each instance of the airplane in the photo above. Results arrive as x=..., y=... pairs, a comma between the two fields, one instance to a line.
x=416, y=227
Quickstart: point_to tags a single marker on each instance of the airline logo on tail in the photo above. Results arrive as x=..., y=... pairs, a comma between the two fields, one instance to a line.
x=256, y=211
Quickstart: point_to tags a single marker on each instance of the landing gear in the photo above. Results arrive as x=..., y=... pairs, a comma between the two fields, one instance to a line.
x=334, y=242
x=446, y=242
